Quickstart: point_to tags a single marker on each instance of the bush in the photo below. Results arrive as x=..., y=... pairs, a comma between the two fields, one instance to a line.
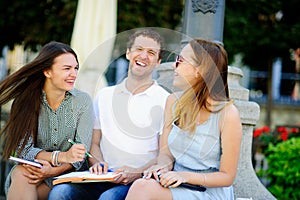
x=284, y=169
x=263, y=136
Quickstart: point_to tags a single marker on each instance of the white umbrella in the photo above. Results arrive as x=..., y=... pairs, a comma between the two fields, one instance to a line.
x=92, y=39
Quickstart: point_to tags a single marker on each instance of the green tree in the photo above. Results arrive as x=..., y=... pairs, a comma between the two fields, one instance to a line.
x=261, y=30
x=36, y=22
x=250, y=28
x=148, y=13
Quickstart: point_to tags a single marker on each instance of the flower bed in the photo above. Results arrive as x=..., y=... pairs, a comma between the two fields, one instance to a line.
x=278, y=151
x=263, y=136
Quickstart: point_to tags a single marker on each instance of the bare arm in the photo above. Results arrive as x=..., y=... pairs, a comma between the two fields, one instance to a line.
x=231, y=136
x=165, y=159
x=95, y=147
x=96, y=152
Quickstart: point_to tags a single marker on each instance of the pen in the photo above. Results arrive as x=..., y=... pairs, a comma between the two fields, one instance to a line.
x=108, y=170
x=90, y=155
x=86, y=153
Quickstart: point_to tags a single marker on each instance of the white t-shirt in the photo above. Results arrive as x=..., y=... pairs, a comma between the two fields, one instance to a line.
x=130, y=124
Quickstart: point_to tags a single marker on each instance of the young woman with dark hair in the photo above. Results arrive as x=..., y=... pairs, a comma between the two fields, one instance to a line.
x=46, y=111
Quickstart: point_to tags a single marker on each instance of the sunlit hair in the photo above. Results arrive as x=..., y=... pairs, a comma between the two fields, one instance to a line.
x=212, y=82
x=149, y=33
x=25, y=87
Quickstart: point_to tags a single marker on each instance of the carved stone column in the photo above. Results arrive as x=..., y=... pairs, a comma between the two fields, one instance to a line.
x=246, y=184
x=204, y=19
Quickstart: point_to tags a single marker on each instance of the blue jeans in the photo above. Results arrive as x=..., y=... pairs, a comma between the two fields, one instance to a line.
x=101, y=190
x=118, y=192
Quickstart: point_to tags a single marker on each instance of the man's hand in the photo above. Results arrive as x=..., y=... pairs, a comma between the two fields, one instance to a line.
x=154, y=170
x=99, y=168
x=128, y=175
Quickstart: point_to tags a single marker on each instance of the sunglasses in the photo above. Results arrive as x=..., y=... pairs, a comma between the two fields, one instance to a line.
x=178, y=60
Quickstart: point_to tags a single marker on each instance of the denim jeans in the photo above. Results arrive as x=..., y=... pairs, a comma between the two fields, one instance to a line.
x=118, y=192
x=101, y=190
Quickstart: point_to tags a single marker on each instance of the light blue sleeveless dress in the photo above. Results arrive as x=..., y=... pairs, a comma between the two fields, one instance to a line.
x=198, y=152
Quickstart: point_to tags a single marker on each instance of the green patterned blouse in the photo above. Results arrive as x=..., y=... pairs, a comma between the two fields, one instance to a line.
x=73, y=119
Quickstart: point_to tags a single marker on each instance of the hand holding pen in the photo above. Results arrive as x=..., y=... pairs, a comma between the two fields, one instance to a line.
x=99, y=167
x=76, y=153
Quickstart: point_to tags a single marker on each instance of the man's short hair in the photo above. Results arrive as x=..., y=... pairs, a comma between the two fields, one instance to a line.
x=150, y=33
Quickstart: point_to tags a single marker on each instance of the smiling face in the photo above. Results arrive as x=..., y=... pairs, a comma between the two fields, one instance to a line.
x=185, y=72
x=62, y=75
x=143, y=57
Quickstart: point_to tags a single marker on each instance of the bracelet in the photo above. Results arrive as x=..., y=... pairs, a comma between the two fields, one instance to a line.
x=53, y=158
x=56, y=159
x=204, y=179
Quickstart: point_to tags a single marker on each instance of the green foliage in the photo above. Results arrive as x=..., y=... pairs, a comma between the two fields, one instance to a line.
x=36, y=22
x=263, y=136
x=41, y=21
x=250, y=27
x=149, y=13
x=255, y=29
x=284, y=169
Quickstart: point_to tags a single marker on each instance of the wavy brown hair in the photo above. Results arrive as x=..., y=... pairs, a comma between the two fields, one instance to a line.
x=25, y=88
x=212, y=59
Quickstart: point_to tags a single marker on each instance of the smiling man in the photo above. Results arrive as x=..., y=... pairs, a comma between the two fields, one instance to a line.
x=129, y=119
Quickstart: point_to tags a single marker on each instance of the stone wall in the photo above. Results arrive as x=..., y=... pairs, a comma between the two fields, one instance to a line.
x=281, y=115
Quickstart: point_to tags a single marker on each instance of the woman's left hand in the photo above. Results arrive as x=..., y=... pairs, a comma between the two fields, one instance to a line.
x=35, y=174
x=172, y=179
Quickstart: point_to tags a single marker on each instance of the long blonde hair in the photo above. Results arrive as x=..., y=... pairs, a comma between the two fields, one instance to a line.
x=212, y=83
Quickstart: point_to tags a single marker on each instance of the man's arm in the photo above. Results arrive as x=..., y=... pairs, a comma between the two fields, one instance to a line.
x=95, y=148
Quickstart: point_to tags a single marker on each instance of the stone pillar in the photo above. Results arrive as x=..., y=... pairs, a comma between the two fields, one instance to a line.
x=246, y=184
x=166, y=76
x=204, y=19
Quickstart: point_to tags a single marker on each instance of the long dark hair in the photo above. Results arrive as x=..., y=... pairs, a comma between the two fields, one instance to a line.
x=25, y=88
